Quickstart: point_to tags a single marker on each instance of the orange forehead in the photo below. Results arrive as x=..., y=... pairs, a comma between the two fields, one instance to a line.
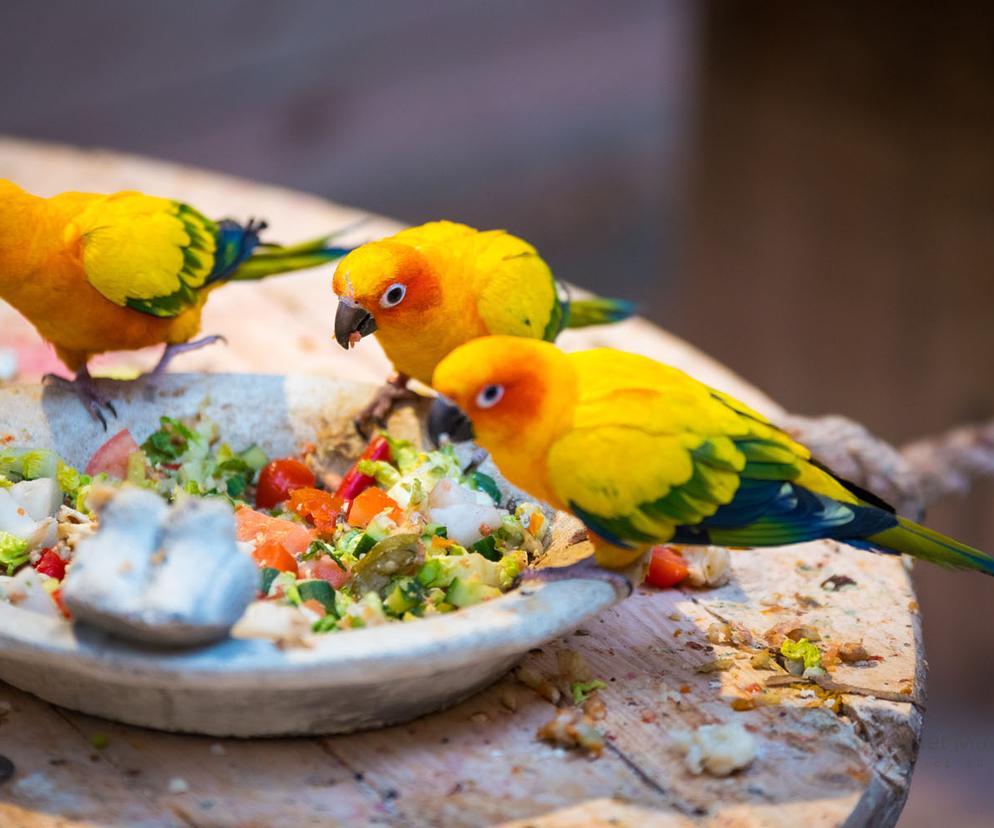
x=365, y=273
x=523, y=366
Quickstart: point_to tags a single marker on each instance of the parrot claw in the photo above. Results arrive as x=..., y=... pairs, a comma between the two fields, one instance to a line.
x=169, y=354
x=82, y=386
x=391, y=395
x=586, y=569
x=173, y=351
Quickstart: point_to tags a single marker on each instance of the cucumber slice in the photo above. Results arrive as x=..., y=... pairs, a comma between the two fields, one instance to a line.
x=266, y=577
x=317, y=590
x=487, y=547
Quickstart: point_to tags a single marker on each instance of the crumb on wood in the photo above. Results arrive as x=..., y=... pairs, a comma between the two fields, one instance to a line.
x=571, y=728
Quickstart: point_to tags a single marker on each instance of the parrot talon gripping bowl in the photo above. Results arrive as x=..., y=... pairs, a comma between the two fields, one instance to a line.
x=379, y=589
x=643, y=454
x=96, y=273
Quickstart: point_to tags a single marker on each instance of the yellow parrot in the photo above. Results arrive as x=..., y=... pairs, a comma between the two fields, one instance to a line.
x=643, y=454
x=97, y=273
x=428, y=289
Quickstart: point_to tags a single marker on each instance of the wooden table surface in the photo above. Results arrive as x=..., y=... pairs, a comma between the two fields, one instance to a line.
x=480, y=763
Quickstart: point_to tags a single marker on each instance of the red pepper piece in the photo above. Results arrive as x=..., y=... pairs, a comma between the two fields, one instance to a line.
x=355, y=482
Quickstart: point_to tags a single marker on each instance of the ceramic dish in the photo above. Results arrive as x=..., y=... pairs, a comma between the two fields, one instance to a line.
x=250, y=687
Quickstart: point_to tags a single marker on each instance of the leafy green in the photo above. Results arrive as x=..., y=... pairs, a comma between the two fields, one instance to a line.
x=581, y=690
x=802, y=650
x=13, y=551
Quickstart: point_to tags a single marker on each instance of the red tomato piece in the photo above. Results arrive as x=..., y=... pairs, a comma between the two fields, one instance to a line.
x=667, y=568
x=273, y=554
x=324, y=568
x=258, y=528
x=369, y=504
x=319, y=508
x=355, y=482
x=51, y=564
x=280, y=477
x=112, y=457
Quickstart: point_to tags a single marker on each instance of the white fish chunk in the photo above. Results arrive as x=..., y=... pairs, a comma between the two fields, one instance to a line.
x=162, y=575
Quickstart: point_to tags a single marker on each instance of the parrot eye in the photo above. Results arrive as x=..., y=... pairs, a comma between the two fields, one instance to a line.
x=393, y=295
x=489, y=396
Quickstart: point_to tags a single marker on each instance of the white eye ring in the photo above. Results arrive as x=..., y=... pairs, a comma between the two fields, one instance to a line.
x=489, y=396
x=393, y=295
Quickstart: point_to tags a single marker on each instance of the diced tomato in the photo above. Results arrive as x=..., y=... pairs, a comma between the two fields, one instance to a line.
x=273, y=554
x=355, y=482
x=667, y=568
x=112, y=457
x=258, y=528
x=280, y=477
x=369, y=504
x=51, y=564
x=319, y=508
x=324, y=568
x=57, y=598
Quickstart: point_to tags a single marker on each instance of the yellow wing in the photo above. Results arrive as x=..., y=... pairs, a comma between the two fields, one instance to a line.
x=652, y=449
x=517, y=293
x=146, y=253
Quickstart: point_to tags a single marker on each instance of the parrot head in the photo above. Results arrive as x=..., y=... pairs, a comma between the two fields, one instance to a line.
x=518, y=393
x=382, y=284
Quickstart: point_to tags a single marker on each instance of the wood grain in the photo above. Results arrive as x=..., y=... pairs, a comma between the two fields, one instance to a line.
x=480, y=764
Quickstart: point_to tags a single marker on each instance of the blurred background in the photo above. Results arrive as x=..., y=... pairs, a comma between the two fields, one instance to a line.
x=804, y=190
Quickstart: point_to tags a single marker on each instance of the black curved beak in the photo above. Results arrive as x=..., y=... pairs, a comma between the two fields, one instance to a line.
x=351, y=319
x=446, y=418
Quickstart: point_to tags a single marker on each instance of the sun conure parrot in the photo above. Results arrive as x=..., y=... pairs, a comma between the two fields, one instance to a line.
x=428, y=289
x=643, y=454
x=97, y=273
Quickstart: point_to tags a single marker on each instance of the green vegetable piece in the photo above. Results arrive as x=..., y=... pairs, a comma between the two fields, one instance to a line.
x=236, y=486
x=406, y=595
x=28, y=464
x=136, y=467
x=487, y=546
x=13, y=551
x=802, y=650
x=5, y=483
x=435, y=530
x=365, y=543
x=99, y=741
x=254, y=457
x=317, y=590
x=392, y=556
x=431, y=574
x=581, y=690
x=485, y=483
x=466, y=593
x=384, y=474
x=266, y=577
x=327, y=623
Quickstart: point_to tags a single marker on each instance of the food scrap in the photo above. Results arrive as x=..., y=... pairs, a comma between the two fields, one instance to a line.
x=581, y=690
x=717, y=749
x=572, y=728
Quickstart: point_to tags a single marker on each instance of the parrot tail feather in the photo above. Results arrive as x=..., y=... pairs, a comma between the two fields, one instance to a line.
x=273, y=259
x=915, y=540
x=582, y=313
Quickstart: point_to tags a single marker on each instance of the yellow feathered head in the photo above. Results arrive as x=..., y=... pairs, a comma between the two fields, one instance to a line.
x=519, y=393
x=380, y=284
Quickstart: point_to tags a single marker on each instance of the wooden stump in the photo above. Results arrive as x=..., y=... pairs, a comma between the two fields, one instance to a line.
x=827, y=756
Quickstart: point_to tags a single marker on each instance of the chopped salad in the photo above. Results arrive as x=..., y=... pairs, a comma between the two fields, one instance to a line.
x=404, y=534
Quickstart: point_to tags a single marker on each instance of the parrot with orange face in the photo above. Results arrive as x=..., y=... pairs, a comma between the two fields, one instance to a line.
x=429, y=289
x=96, y=273
x=643, y=454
